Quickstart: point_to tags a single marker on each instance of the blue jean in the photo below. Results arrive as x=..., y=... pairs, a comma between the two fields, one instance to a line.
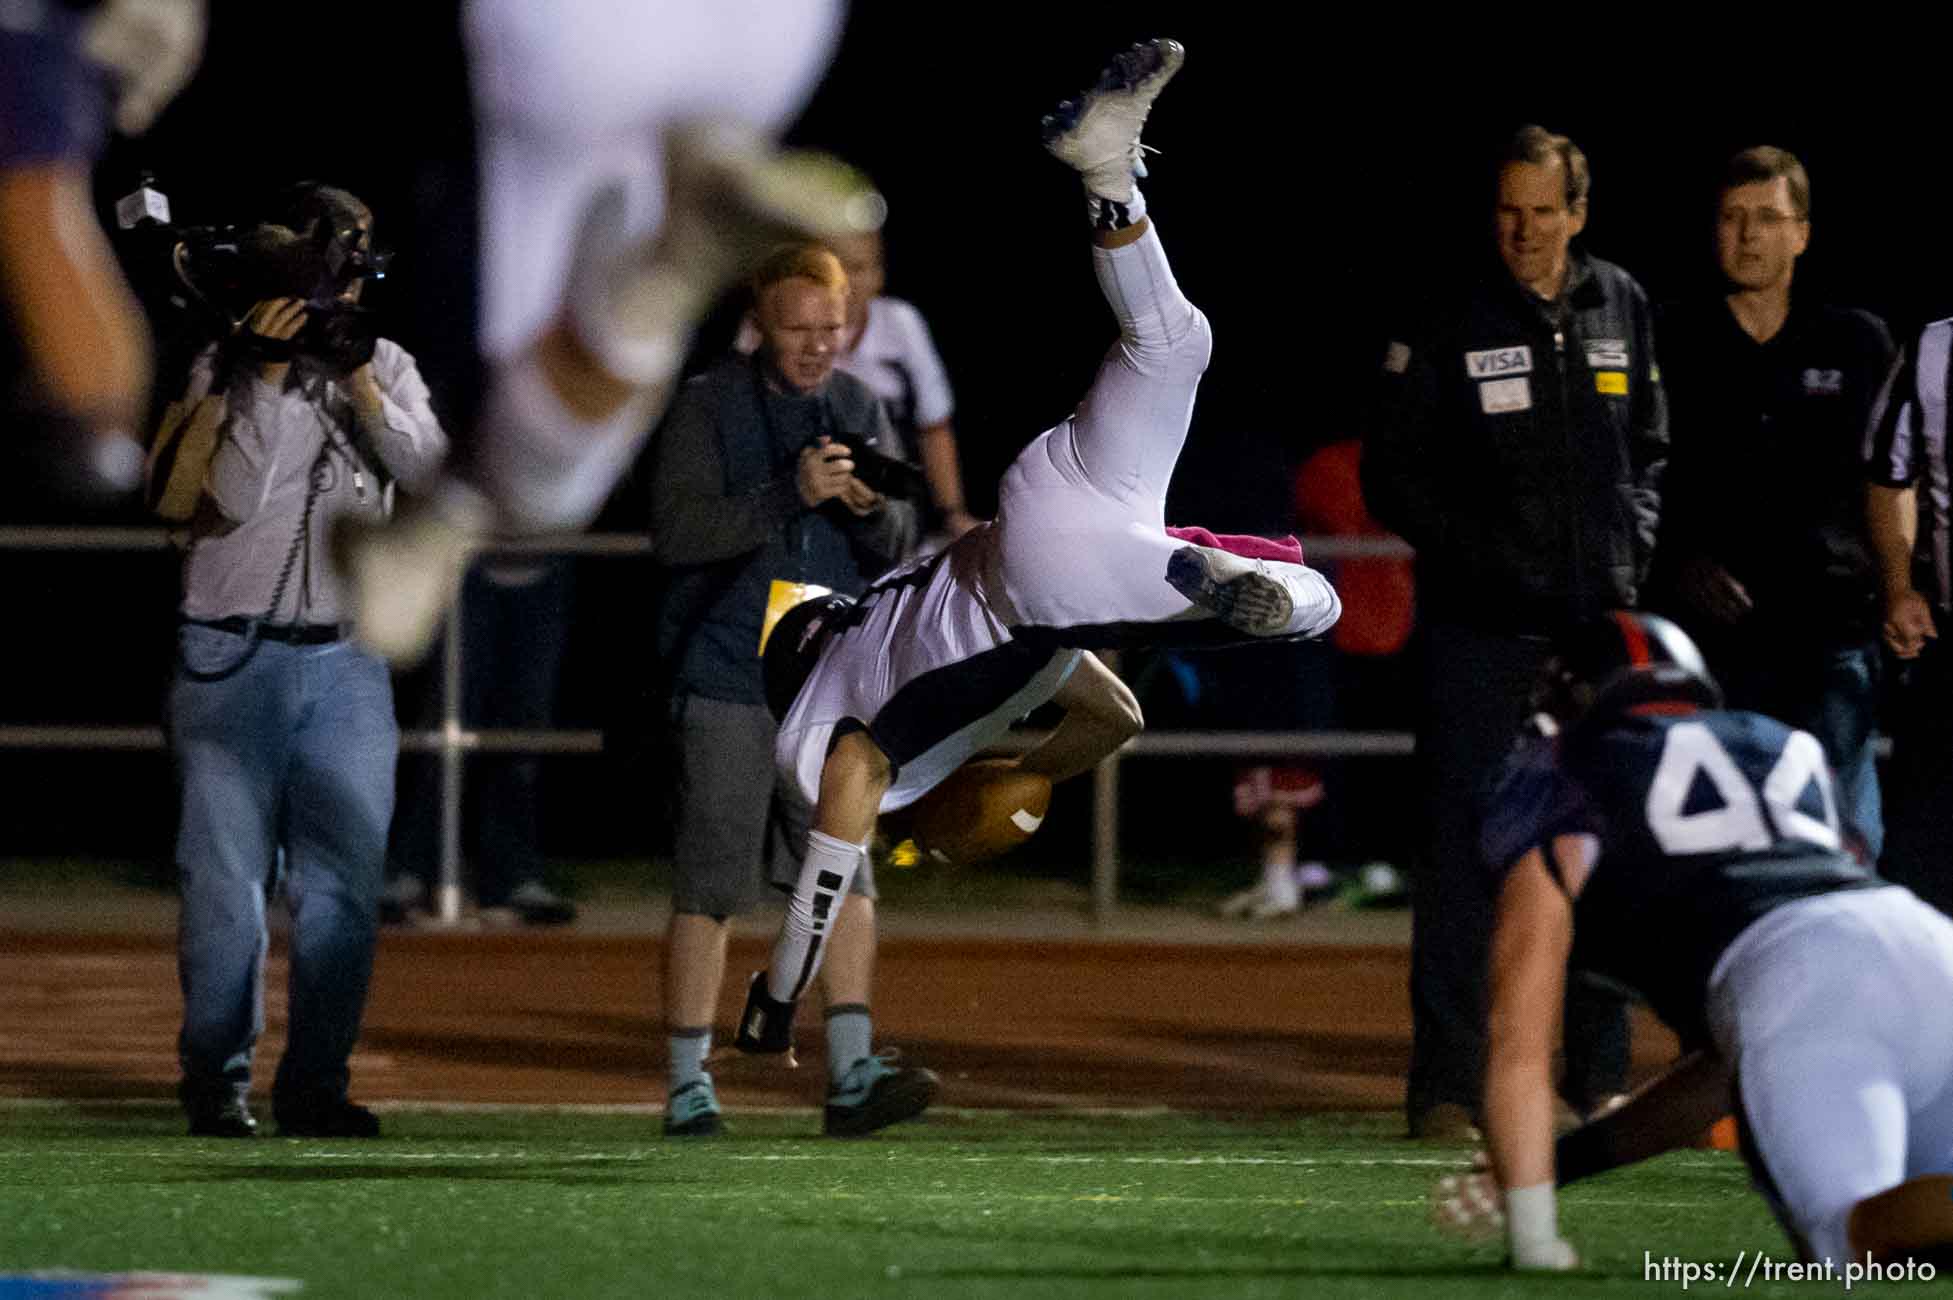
x=1831, y=693
x=1919, y=840
x=284, y=770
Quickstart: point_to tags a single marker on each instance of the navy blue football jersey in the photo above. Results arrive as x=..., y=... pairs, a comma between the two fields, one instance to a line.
x=1698, y=823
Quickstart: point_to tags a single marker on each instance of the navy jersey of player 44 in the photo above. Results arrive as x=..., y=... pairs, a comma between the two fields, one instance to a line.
x=1696, y=823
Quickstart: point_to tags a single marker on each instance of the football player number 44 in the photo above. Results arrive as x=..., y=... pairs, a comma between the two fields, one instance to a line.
x=1692, y=754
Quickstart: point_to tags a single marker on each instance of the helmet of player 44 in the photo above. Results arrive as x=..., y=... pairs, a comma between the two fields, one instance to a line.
x=1619, y=661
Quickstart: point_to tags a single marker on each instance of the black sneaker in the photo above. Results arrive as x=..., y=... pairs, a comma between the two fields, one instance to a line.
x=535, y=903
x=875, y=1092
x=324, y=1117
x=219, y=1115
x=402, y=894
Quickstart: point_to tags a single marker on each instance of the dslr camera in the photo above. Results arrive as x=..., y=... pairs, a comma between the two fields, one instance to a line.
x=880, y=472
x=216, y=274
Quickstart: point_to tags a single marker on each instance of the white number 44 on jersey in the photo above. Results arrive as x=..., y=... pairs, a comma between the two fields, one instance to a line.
x=1692, y=750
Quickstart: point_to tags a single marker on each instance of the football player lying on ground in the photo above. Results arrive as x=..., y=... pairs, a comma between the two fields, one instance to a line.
x=1694, y=854
x=883, y=699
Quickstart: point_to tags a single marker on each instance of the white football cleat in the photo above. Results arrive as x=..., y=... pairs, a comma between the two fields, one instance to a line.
x=731, y=196
x=1258, y=597
x=749, y=195
x=1097, y=133
x=402, y=574
x=1248, y=595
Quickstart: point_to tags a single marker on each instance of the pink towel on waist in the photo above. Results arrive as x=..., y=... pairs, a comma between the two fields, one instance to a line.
x=1254, y=548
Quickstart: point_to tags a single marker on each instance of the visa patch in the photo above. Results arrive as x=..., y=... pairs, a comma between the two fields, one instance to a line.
x=1498, y=396
x=1493, y=363
x=1823, y=383
x=1611, y=383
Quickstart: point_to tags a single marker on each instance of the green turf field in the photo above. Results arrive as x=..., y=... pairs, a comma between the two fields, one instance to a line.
x=966, y=1204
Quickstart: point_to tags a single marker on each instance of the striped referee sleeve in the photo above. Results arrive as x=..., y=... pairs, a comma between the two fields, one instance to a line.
x=1907, y=432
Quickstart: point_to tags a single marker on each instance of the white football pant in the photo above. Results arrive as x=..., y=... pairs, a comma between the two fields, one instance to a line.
x=1081, y=513
x=1833, y=1011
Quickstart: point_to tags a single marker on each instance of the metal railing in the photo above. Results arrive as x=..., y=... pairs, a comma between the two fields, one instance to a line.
x=453, y=741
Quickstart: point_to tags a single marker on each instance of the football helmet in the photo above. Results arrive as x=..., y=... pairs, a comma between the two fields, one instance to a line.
x=1618, y=661
x=795, y=644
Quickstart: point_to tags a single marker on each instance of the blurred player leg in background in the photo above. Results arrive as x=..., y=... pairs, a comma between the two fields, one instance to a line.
x=628, y=177
x=75, y=366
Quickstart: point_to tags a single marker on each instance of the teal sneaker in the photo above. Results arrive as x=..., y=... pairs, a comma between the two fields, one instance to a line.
x=878, y=1091
x=693, y=1111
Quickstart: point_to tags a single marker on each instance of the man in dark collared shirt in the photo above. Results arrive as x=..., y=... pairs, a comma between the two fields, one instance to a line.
x=1764, y=555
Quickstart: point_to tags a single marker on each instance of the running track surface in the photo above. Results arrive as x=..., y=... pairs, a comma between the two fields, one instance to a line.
x=564, y=1018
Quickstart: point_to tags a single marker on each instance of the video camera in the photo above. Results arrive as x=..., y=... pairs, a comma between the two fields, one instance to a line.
x=216, y=274
x=880, y=472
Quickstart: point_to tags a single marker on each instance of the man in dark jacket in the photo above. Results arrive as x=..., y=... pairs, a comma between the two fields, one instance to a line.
x=755, y=507
x=1764, y=556
x=1518, y=448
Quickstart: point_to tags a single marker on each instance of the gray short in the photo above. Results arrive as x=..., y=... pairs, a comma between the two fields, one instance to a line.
x=737, y=824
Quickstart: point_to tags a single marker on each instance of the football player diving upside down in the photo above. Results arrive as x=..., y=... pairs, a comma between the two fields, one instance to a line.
x=882, y=699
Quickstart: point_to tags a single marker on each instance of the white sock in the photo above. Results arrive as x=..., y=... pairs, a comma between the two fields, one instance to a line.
x=816, y=903
x=850, y=1036
x=1278, y=878
x=545, y=469
x=1532, y=1229
x=686, y=1052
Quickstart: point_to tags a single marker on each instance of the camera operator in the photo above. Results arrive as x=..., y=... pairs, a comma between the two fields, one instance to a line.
x=282, y=727
x=754, y=500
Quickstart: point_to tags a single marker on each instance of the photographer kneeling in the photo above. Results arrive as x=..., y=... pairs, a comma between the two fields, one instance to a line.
x=755, y=503
x=282, y=727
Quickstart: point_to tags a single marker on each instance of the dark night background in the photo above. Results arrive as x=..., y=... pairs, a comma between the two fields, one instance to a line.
x=1312, y=176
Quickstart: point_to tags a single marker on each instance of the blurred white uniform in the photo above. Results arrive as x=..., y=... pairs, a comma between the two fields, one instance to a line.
x=575, y=94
